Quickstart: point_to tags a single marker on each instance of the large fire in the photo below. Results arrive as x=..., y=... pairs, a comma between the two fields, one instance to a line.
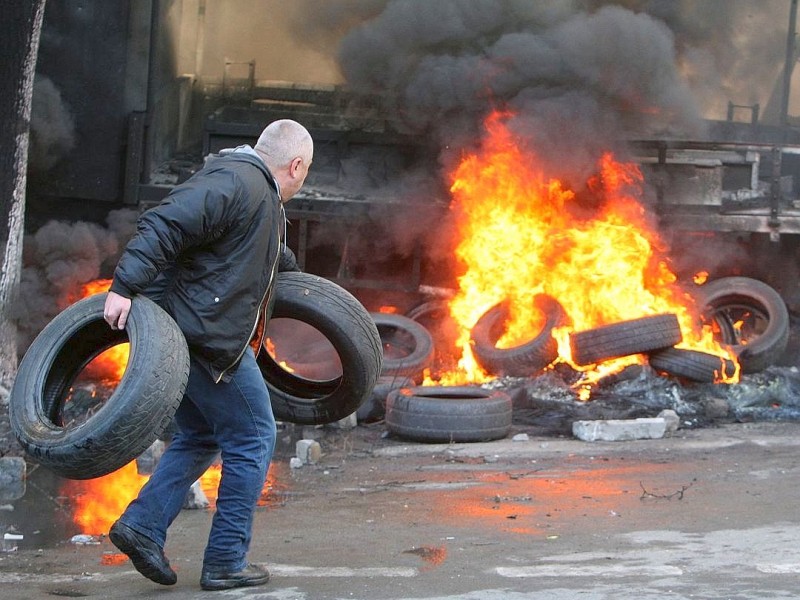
x=522, y=233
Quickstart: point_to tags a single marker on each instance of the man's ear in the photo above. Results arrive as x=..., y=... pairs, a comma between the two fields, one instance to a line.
x=295, y=166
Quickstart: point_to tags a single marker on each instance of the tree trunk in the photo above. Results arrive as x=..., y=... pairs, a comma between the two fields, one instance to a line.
x=20, y=28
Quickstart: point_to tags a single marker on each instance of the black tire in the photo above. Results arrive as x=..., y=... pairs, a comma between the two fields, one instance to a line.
x=525, y=359
x=348, y=326
x=759, y=307
x=414, y=342
x=374, y=408
x=432, y=310
x=448, y=414
x=692, y=365
x=138, y=411
x=635, y=336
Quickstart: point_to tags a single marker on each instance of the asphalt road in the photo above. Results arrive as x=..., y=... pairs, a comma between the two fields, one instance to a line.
x=709, y=513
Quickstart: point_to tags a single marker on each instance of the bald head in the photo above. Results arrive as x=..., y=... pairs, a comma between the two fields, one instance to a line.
x=283, y=140
x=287, y=149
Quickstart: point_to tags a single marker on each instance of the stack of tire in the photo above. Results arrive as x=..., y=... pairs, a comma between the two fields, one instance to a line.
x=408, y=350
x=471, y=413
x=747, y=315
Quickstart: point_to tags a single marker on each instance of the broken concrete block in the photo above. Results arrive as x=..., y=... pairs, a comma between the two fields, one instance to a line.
x=620, y=430
x=295, y=463
x=308, y=451
x=672, y=419
x=349, y=422
x=196, y=497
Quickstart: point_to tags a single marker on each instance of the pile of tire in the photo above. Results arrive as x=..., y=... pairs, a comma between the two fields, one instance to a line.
x=748, y=316
x=655, y=336
x=408, y=352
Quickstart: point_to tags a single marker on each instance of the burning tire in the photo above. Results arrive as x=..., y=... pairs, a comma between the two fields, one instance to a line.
x=349, y=328
x=407, y=346
x=760, y=311
x=138, y=411
x=522, y=360
x=636, y=336
x=448, y=414
x=692, y=365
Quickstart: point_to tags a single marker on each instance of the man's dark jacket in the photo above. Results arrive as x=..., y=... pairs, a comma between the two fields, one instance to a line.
x=209, y=255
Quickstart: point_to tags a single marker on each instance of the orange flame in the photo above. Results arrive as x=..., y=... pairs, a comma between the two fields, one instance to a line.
x=110, y=364
x=522, y=233
x=269, y=346
x=99, y=502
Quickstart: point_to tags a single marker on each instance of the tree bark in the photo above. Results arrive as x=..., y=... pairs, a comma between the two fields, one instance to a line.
x=20, y=29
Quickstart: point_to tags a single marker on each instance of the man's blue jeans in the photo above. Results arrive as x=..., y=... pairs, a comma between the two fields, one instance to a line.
x=235, y=419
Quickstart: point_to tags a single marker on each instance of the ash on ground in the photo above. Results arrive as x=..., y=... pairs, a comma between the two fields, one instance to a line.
x=550, y=405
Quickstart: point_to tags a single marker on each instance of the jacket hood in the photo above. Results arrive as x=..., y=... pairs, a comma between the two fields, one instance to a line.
x=242, y=153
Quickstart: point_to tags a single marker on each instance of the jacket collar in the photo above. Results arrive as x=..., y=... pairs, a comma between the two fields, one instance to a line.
x=248, y=154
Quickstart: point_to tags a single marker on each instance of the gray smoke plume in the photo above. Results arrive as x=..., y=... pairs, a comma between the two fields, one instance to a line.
x=52, y=133
x=582, y=75
x=61, y=257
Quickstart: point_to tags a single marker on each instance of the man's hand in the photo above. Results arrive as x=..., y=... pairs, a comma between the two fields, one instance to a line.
x=116, y=310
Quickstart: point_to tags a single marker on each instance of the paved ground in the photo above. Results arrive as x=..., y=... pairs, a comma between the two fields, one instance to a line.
x=709, y=514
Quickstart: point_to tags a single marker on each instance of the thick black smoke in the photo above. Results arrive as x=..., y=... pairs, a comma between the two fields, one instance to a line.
x=578, y=80
x=581, y=76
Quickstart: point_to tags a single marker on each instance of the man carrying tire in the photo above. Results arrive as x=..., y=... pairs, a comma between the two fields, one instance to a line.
x=209, y=255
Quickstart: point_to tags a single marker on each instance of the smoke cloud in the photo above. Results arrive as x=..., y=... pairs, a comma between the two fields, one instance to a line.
x=580, y=76
x=52, y=132
x=58, y=259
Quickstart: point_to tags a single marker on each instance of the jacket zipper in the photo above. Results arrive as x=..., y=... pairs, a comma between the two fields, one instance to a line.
x=261, y=307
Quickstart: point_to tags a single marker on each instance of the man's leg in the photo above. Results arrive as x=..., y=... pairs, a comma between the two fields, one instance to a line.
x=141, y=531
x=187, y=456
x=244, y=427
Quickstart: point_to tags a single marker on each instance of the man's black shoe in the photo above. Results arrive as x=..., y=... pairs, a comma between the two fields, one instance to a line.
x=145, y=554
x=212, y=579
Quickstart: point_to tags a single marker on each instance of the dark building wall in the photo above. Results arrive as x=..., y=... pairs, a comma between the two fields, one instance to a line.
x=85, y=53
x=105, y=65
